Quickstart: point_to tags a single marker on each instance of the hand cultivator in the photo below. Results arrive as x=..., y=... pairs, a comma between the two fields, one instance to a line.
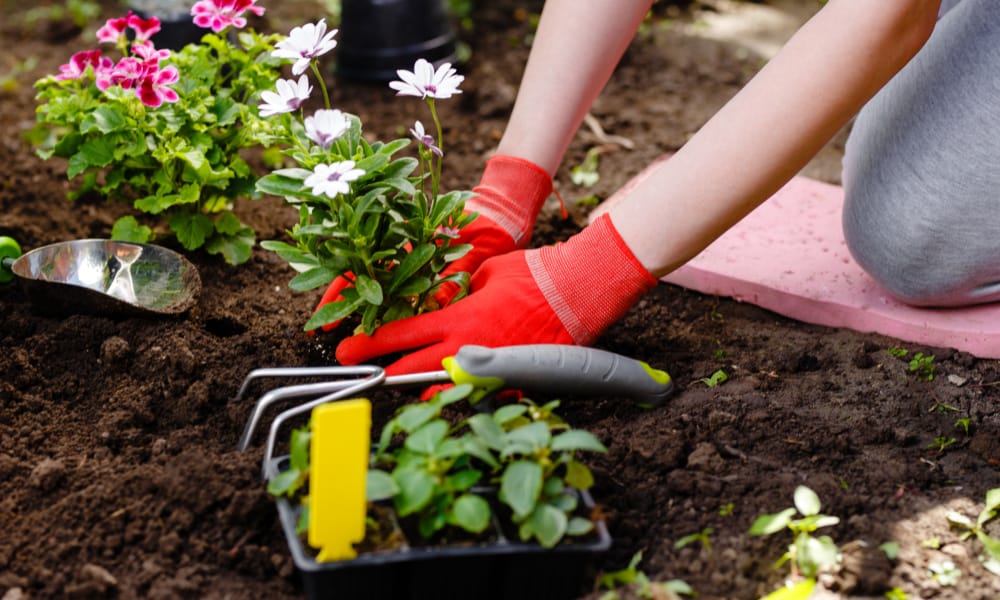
x=541, y=367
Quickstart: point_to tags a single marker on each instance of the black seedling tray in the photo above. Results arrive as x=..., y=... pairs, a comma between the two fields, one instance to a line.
x=499, y=570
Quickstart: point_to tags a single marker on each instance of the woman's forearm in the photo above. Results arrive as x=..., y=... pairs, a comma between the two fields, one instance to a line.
x=576, y=48
x=771, y=128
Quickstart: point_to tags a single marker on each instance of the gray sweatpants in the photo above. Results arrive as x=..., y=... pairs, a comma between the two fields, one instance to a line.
x=922, y=167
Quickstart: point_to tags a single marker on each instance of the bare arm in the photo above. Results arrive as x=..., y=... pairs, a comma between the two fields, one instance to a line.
x=577, y=46
x=771, y=128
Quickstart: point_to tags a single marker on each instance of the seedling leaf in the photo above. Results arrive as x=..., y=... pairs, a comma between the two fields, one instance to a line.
x=768, y=524
x=806, y=501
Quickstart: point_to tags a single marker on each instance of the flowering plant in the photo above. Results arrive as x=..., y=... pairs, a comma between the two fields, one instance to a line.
x=365, y=217
x=165, y=130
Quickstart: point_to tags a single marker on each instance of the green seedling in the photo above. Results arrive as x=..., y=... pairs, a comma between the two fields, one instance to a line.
x=586, y=173
x=991, y=546
x=890, y=549
x=641, y=584
x=964, y=424
x=716, y=378
x=726, y=510
x=941, y=443
x=941, y=407
x=701, y=537
x=945, y=573
x=808, y=555
x=923, y=366
x=896, y=594
x=898, y=352
x=292, y=481
x=932, y=543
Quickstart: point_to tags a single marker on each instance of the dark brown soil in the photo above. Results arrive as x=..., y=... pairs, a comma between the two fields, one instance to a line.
x=119, y=476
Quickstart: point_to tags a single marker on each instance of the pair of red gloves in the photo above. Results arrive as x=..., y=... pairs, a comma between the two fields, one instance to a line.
x=563, y=294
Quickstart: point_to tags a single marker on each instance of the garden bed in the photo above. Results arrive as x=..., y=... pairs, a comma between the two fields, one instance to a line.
x=119, y=475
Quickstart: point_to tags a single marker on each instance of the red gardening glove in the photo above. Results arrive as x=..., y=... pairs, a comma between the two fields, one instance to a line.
x=508, y=198
x=563, y=294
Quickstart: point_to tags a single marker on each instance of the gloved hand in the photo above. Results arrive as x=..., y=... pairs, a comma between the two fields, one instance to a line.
x=508, y=199
x=509, y=196
x=563, y=294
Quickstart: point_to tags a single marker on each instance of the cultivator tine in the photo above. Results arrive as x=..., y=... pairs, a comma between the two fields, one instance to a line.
x=369, y=376
x=353, y=388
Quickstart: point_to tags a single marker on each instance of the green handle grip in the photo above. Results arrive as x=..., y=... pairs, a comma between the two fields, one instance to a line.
x=559, y=368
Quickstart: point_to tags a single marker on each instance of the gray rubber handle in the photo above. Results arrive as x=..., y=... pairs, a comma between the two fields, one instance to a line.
x=556, y=368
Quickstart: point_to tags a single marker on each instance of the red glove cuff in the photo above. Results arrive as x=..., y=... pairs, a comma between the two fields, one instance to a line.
x=591, y=280
x=511, y=193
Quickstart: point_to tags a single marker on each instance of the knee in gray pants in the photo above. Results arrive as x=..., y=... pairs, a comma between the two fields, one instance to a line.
x=922, y=168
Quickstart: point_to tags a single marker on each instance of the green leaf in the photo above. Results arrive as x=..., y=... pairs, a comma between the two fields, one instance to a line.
x=414, y=416
x=235, y=248
x=768, y=524
x=284, y=483
x=508, y=413
x=332, y=312
x=368, y=288
x=816, y=555
x=520, y=486
x=192, y=229
x=577, y=439
x=97, y=152
x=299, y=449
x=105, y=119
x=453, y=394
x=380, y=485
x=579, y=526
x=426, y=439
x=414, y=260
x=463, y=480
x=471, y=513
x=578, y=475
x=415, y=491
x=312, y=279
x=806, y=501
x=127, y=229
x=488, y=430
x=549, y=524
x=534, y=435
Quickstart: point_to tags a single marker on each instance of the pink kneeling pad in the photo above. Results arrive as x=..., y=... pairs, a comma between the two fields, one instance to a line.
x=789, y=256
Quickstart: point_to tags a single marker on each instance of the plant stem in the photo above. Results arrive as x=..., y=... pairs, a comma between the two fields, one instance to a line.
x=436, y=171
x=322, y=84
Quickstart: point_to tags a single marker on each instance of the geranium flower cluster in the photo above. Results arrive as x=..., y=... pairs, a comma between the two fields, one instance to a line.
x=140, y=68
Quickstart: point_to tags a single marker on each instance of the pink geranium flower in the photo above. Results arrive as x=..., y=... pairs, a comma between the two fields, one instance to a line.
x=143, y=28
x=113, y=29
x=153, y=90
x=220, y=14
x=78, y=63
x=149, y=53
x=125, y=73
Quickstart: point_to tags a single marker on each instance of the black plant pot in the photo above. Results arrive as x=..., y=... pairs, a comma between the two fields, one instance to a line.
x=377, y=37
x=177, y=29
x=501, y=569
